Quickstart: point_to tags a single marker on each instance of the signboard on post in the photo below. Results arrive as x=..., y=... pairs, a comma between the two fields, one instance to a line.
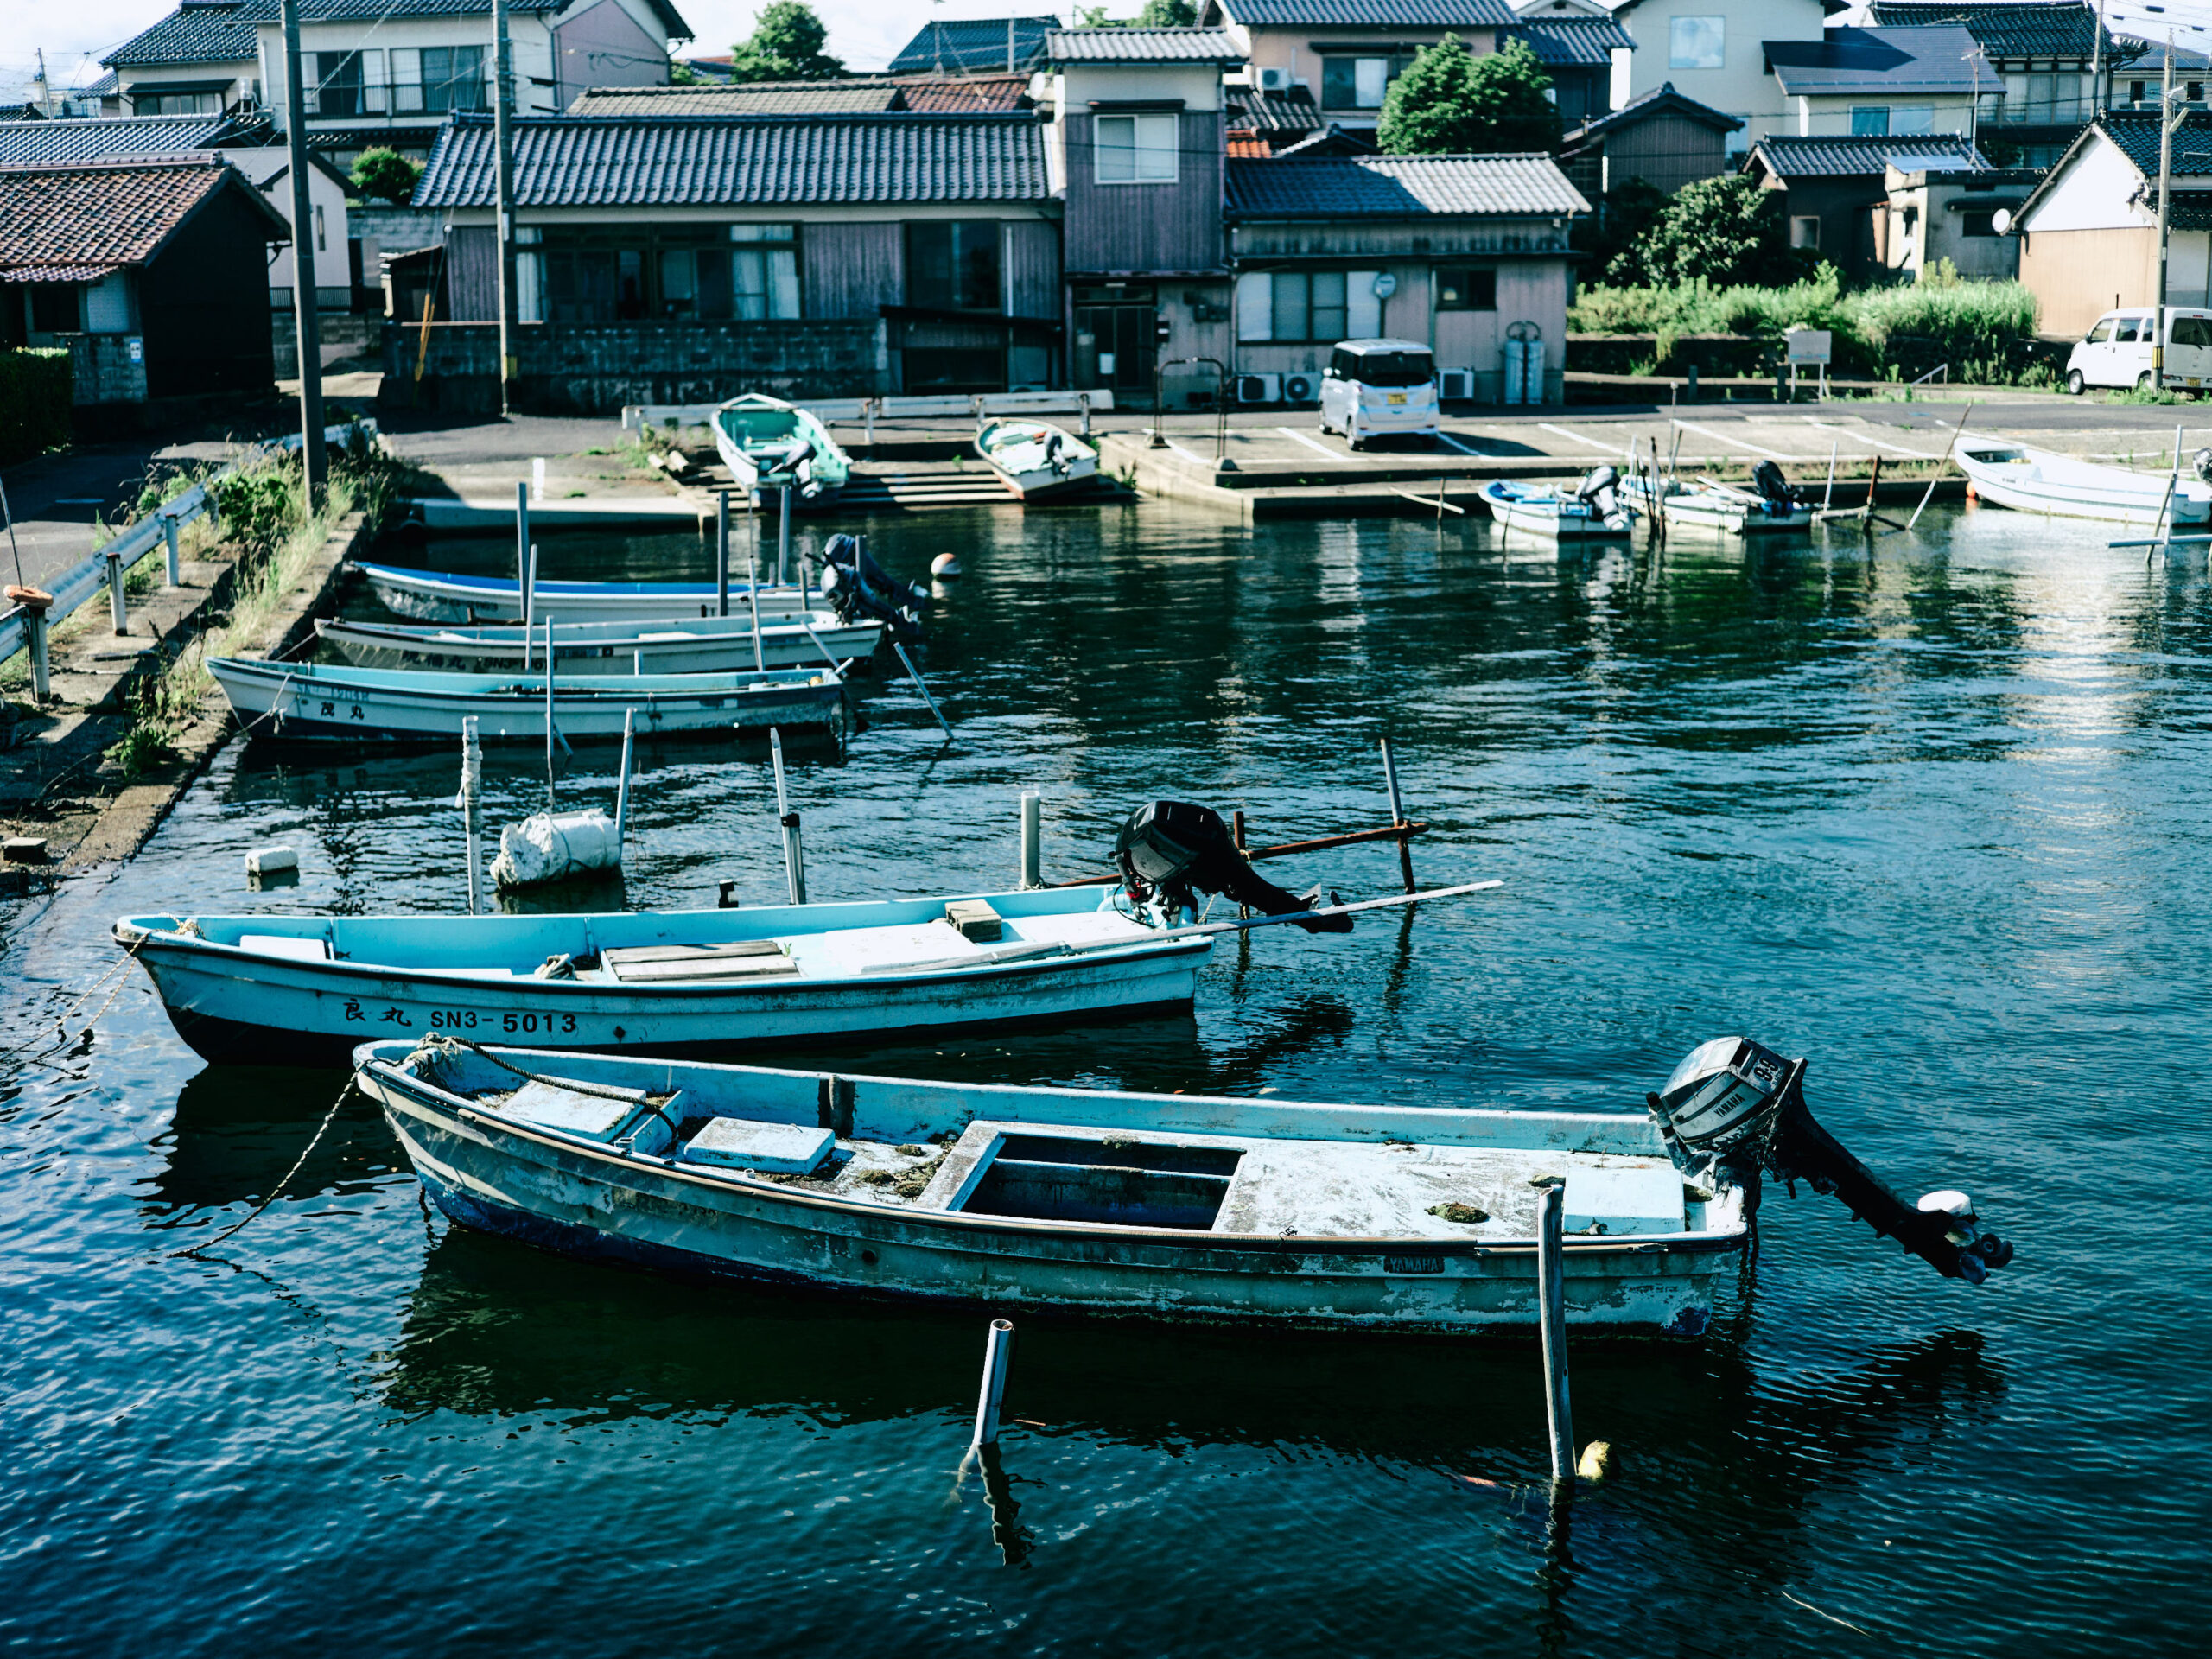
x=1809, y=348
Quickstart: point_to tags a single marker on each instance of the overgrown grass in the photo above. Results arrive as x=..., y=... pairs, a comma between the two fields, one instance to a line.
x=1976, y=327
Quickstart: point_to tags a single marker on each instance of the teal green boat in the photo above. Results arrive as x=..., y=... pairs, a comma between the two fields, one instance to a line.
x=769, y=445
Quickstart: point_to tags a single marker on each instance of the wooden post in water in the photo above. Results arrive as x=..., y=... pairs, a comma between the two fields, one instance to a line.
x=1032, y=849
x=471, y=780
x=1828, y=496
x=1551, y=1311
x=722, y=552
x=549, y=713
x=794, y=850
x=525, y=555
x=998, y=1353
x=783, y=538
x=753, y=594
x=622, y=789
x=1398, y=818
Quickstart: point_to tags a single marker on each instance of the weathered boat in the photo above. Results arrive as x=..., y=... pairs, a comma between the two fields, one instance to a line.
x=263, y=987
x=1592, y=510
x=2029, y=479
x=770, y=446
x=319, y=701
x=1707, y=504
x=706, y=644
x=1397, y=1218
x=444, y=596
x=1037, y=459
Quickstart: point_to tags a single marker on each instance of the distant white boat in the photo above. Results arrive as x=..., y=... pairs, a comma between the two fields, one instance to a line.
x=769, y=445
x=1724, y=509
x=1556, y=514
x=1035, y=457
x=2029, y=479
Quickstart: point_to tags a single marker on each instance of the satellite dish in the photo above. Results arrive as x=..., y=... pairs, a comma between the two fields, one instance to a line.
x=2001, y=221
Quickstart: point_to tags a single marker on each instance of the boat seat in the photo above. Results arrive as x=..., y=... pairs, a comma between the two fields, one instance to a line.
x=286, y=945
x=740, y=959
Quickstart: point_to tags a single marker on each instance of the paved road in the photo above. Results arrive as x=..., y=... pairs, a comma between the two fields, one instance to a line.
x=55, y=498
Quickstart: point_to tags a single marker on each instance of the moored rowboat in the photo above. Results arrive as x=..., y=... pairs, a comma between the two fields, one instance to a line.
x=769, y=445
x=2029, y=479
x=371, y=705
x=704, y=645
x=1036, y=458
x=1555, y=515
x=445, y=596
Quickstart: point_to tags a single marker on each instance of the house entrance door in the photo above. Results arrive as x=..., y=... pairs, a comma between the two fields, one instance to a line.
x=1119, y=323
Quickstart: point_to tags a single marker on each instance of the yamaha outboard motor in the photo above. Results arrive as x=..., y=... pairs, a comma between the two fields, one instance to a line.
x=1767, y=479
x=1600, y=488
x=1734, y=1110
x=1169, y=847
x=858, y=586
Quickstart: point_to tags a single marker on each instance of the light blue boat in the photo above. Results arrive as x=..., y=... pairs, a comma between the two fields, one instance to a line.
x=446, y=596
x=325, y=702
x=280, y=989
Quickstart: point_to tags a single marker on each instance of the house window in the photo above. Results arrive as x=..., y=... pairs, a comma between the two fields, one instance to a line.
x=1805, y=232
x=2137, y=90
x=953, y=264
x=1870, y=121
x=176, y=103
x=342, y=83
x=53, y=308
x=1302, y=307
x=1696, y=42
x=1358, y=83
x=1977, y=224
x=437, y=78
x=764, y=271
x=1466, y=290
x=1137, y=149
x=748, y=272
x=1912, y=118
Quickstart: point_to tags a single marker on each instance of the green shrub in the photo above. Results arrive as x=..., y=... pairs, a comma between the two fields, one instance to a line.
x=36, y=390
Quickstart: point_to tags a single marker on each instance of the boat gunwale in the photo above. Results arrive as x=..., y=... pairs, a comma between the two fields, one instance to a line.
x=428, y=1095
x=791, y=680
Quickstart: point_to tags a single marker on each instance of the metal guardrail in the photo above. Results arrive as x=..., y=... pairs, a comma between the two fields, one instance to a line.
x=1940, y=371
x=87, y=577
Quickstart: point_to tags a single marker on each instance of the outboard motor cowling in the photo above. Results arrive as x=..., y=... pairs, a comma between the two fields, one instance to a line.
x=1734, y=1110
x=1170, y=848
x=858, y=586
x=1767, y=479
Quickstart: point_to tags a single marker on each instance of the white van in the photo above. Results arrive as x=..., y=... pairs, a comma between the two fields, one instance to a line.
x=2117, y=351
x=1379, y=388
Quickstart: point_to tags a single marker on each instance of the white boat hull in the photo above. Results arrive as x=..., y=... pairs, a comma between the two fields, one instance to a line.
x=301, y=702
x=1036, y=458
x=439, y=596
x=565, y=1193
x=2028, y=480
x=707, y=645
x=1552, y=517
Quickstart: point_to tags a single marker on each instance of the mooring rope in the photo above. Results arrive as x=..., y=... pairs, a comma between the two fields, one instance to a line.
x=277, y=1191
x=431, y=1039
x=61, y=1025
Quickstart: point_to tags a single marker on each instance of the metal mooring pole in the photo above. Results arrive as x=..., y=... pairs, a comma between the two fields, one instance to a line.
x=1551, y=1291
x=998, y=1352
x=1033, y=851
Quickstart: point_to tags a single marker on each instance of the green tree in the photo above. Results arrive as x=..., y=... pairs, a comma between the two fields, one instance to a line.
x=386, y=175
x=1726, y=231
x=1157, y=13
x=1450, y=101
x=786, y=45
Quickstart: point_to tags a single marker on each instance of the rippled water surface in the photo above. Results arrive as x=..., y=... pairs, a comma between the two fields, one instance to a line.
x=1936, y=817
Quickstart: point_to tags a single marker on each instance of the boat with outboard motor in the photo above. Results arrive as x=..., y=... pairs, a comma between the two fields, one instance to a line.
x=269, y=989
x=324, y=702
x=1771, y=504
x=2029, y=479
x=770, y=446
x=704, y=645
x=1385, y=1219
x=1593, y=509
x=1036, y=458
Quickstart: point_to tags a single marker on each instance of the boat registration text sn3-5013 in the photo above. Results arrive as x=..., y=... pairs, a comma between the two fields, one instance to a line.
x=503, y=1022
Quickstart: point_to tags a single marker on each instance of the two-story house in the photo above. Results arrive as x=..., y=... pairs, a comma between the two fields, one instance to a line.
x=2050, y=70
x=388, y=72
x=1714, y=52
x=1873, y=83
x=1346, y=53
x=1134, y=142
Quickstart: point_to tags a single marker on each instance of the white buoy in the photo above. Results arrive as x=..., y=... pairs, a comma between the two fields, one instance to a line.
x=552, y=846
x=945, y=564
x=268, y=861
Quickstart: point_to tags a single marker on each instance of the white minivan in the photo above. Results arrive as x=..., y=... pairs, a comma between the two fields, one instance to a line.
x=1379, y=388
x=2116, y=351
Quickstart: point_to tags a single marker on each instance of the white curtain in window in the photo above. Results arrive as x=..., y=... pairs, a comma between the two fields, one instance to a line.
x=1255, y=305
x=530, y=286
x=1363, y=308
x=1370, y=80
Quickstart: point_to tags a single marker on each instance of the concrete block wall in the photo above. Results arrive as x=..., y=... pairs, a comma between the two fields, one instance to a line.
x=105, y=370
x=596, y=368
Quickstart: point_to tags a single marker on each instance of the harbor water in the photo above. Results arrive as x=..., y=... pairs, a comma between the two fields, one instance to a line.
x=1931, y=813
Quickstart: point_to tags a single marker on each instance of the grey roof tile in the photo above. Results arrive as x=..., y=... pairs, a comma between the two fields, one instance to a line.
x=1142, y=46
x=77, y=221
x=756, y=98
x=1371, y=14
x=1252, y=110
x=1398, y=187
x=741, y=161
x=1940, y=59
x=2006, y=28
x=2137, y=135
x=1562, y=41
x=1841, y=157
x=976, y=43
x=1659, y=100
x=223, y=31
x=39, y=144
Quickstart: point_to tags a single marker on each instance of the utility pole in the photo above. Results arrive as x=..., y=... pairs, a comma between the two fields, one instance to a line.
x=308, y=329
x=2167, y=121
x=503, y=140
x=2096, y=63
x=45, y=92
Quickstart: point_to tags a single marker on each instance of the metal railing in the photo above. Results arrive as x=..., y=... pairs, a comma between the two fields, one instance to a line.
x=1940, y=371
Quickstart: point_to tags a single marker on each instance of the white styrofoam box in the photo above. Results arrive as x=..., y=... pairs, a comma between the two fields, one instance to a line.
x=552, y=1106
x=266, y=860
x=741, y=1143
x=1634, y=1198
x=284, y=944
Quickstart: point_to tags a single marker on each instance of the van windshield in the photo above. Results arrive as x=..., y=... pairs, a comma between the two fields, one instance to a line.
x=2101, y=333
x=1393, y=369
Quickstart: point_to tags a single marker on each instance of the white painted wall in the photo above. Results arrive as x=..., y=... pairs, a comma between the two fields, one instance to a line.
x=2092, y=191
x=1741, y=86
x=332, y=276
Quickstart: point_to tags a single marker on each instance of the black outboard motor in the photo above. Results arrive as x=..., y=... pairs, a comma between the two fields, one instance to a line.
x=1600, y=488
x=858, y=586
x=1767, y=479
x=2200, y=464
x=1168, y=848
x=1734, y=1110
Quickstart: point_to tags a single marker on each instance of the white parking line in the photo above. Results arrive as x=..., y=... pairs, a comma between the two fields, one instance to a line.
x=1576, y=437
x=1868, y=437
x=1186, y=454
x=1445, y=437
x=1316, y=446
x=1742, y=444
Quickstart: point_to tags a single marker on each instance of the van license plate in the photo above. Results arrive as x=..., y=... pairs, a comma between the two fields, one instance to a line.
x=1397, y=397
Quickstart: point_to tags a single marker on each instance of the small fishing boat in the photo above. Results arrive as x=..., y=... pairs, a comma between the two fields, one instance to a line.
x=1592, y=510
x=1036, y=458
x=269, y=989
x=706, y=644
x=295, y=701
x=2029, y=479
x=1708, y=504
x=770, y=446
x=445, y=596
x=1385, y=1219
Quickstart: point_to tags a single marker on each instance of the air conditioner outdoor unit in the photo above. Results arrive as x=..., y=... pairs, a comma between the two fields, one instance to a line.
x=1301, y=388
x=1458, y=386
x=1259, y=388
x=1273, y=79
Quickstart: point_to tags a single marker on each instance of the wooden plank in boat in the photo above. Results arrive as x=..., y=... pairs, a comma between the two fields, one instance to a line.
x=629, y=953
x=707, y=967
